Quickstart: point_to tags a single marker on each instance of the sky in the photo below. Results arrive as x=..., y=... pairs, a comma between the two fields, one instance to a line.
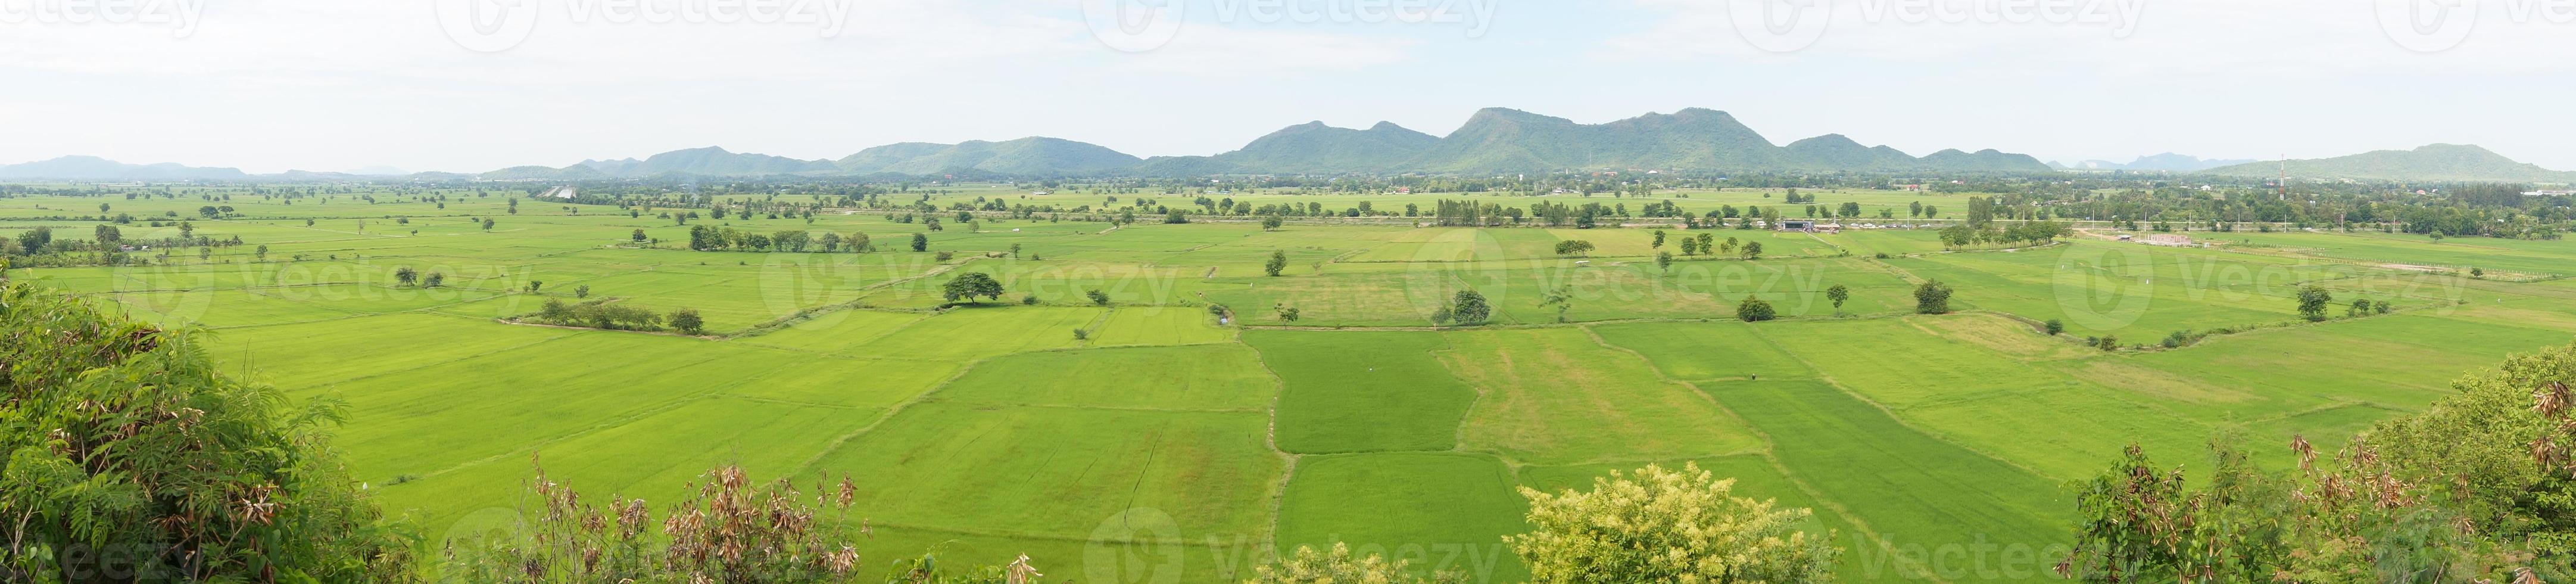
x=475, y=85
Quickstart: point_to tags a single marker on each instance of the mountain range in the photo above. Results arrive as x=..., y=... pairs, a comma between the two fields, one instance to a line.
x=2437, y=162
x=2166, y=162
x=1493, y=141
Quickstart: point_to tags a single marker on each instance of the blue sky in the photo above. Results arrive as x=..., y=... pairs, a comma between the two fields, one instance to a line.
x=272, y=85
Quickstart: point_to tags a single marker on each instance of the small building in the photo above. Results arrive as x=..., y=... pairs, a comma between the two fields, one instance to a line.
x=1797, y=225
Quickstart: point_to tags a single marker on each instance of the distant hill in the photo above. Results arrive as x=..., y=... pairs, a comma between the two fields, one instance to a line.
x=2437, y=162
x=708, y=161
x=2166, y=162
x=1500, y=140
x=1022, y=157
x=1320, y=149
x=1493, y=141
x=95, y=168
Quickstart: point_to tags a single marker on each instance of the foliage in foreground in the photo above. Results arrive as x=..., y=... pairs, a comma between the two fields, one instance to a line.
x=1308, y=566
x=1657, y=525
x=730, y=531
x=2478, y=487
x=131, y=458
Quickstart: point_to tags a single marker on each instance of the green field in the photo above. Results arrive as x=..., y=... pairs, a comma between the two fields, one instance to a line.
x=1157, y=435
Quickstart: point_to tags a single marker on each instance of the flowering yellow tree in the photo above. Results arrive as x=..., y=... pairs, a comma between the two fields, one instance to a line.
x=1657, y=525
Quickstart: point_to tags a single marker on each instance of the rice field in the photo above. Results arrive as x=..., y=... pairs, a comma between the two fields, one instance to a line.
x=1185, y=430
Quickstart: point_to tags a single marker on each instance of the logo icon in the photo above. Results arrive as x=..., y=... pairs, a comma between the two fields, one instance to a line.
x=1780, y=26
x=486, y=26
x=2102, y=290
x=1139, y=546
x=2428, y=26
x=1134, y=26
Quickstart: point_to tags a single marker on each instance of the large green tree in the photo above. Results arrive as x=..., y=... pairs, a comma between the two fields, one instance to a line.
x=966, y=287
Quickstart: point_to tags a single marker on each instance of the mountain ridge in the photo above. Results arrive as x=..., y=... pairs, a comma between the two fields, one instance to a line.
x=1491, y=141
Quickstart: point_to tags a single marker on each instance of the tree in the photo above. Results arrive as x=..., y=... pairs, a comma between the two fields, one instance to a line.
x=1097, y=297
x=406, y=275
x=2053, y=327
x=1659, y=239
x=1278, y=261
x=1664, y=261
x=920, y=242
x=1015, y=251
x=1288, y=313
x=638, y=236
x=1307, y=566
x=1690, y=246
x=33, y=241
x=968, y=286
x=535, y=285
x=107, y=234
x=433, y=280
x=1271, y=222
x=130, y=450
x=2471, y=488
x=582, y=291
x=1839, y=294
x=2359, y=307
x=2312, y=302
x=1753, y=250
x=1573, y=247
x=262, y=254
x=1562, y=299
x=1754, y=309
x=555, y=311
x=1469, y=308
x=1932, y=297
x=487, y=224
x=1657, y=525
x=687, y=321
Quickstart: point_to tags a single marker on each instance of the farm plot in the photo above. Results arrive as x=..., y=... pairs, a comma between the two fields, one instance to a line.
x=1443, y=512
x=1362, y=391
x=1552, y=396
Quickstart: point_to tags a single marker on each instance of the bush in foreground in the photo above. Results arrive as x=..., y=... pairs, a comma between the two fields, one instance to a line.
x=131, y=458
x=2479, y=487
x=1658, y=525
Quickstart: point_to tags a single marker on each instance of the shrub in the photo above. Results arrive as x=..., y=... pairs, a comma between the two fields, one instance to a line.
x=125, y=439
x=2054, y=327
x=1308, y=566
x=1755, y=310
x=1932, y=297
x=1664, y=526
x=731, y=530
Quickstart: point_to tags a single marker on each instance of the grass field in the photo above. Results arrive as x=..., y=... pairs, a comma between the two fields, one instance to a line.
x=1161, y=443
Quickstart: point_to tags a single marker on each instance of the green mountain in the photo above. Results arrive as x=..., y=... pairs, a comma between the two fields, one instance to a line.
x=1315, y=148
x=2437, y=162
x=1836, y=152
